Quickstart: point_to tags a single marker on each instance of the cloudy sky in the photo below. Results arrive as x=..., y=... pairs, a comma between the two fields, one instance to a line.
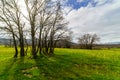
x=94, y=16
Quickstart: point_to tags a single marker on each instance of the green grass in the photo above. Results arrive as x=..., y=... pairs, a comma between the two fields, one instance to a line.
x=66, y=64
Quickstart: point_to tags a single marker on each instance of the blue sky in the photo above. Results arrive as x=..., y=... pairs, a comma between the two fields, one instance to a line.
x=94, y=16
x=76, y=4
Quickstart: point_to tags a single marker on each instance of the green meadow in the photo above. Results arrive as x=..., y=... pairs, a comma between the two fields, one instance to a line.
x=66, y=64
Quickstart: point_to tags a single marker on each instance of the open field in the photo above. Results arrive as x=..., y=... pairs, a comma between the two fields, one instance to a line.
x=66, y=64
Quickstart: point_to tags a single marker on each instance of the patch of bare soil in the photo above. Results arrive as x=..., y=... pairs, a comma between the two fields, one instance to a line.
x=25, y=71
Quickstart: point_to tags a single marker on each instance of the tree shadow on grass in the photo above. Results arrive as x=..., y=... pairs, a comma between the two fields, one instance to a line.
x=7, y=68
x=21, y=65
x=65, y=67
x=57, y=67
x=11, y=69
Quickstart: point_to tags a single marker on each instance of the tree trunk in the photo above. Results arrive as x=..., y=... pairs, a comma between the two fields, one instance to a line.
x=51, y=45
x=33, y=42
x=26, y=46
x=40, y=42
x=22, y=51
x=15, y=45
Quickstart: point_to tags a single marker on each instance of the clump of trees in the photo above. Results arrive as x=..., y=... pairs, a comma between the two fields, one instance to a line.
x=87, y=41
x=66, y=41
x=41, y=20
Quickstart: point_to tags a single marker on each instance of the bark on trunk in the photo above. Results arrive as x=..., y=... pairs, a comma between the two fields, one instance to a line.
x=15, y=45
x=22, y=51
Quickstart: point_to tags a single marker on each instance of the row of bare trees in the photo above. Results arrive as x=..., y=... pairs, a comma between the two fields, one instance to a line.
x=40, y=20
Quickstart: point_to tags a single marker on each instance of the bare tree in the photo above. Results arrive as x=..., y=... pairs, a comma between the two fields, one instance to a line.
x=33, y=7
x=46, y=19
x=12, y=19
x=68, y=39
x=65, y=41
x=56, y=28
x=44, y=22
x=88, y=40
x=7, y=25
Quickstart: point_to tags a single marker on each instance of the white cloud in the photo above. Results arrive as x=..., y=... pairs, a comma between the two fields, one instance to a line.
x=103, y=20
x=101, y=2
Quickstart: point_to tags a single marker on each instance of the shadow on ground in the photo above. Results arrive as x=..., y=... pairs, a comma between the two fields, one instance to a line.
x=58, y=67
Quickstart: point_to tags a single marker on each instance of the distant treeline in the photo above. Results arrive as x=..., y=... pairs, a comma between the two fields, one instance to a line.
x=63, y=43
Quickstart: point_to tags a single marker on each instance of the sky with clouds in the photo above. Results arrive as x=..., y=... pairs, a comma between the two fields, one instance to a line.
x=94, y=16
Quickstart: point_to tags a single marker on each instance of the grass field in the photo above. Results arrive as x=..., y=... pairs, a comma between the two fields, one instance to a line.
x=66, y=64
